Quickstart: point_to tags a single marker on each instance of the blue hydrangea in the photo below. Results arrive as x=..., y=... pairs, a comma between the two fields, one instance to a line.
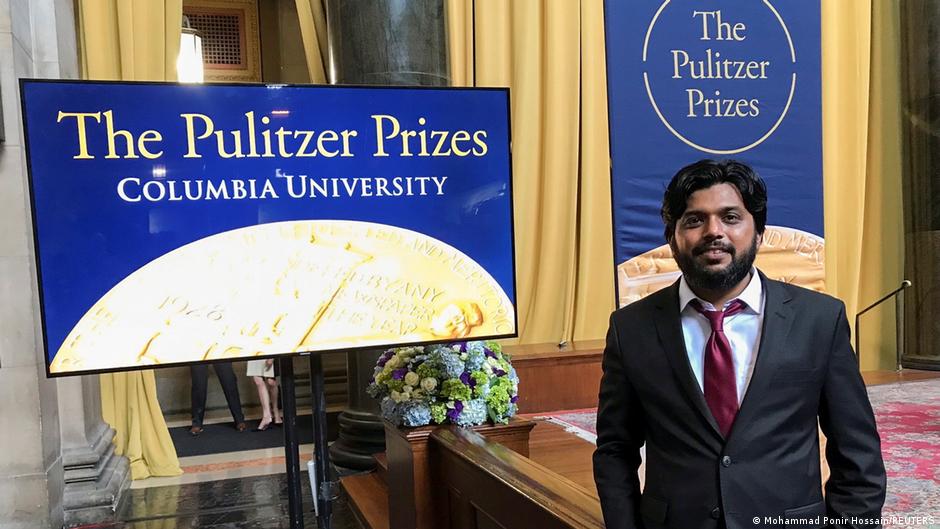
x=475, y=359
x=513, y=377
x=390, y=411
x=474, y=412
x=451, y=365
x=415, y=413
x=437, y=349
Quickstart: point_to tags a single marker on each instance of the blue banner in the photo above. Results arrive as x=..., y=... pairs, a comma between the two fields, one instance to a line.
x=694, y=79
x=185, y=223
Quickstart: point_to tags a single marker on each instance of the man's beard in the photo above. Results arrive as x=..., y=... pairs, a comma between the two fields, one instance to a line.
x=722, y=280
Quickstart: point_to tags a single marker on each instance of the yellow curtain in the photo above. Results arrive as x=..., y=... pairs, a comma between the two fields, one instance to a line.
x=312, y=17
x=862, y=166
x=129, y=404
x=551, y=55
x=132, y=40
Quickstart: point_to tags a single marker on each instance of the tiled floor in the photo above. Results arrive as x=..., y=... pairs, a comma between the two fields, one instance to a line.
x=227, y=465
x=256, y=502
x=232, y=490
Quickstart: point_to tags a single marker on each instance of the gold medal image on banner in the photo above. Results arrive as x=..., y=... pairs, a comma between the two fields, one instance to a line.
x=288, y=287
x=786, y=254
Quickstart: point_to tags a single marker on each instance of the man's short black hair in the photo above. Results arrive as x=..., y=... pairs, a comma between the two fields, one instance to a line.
x=706, y=173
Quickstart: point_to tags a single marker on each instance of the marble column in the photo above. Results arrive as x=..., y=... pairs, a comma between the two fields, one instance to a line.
x=94, y=477
x=386, y=42
x=57, y=457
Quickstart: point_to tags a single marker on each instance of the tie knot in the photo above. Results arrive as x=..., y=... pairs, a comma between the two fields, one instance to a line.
x=716, y=317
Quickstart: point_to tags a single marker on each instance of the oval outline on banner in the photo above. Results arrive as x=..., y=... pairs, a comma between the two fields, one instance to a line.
x=689, y=142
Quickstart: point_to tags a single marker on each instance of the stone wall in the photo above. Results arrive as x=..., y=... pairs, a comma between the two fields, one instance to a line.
x=31, y=480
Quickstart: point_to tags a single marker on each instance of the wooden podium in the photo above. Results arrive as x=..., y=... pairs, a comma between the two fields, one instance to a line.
x=412, y=498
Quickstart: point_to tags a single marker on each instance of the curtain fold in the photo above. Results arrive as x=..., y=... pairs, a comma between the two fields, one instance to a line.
x=129, y=404
x=862, y=166
x=134, y=41
x=312, y=17
x=551, y=55
x=594, y=289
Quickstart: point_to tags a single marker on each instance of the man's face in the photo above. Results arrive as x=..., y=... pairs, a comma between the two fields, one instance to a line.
x=715, y=241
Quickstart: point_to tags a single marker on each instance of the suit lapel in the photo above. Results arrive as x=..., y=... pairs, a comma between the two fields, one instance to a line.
x=778, y=319
x=669, y=329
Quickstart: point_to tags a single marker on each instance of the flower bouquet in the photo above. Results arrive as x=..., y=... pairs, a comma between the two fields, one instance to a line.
x=462, y=383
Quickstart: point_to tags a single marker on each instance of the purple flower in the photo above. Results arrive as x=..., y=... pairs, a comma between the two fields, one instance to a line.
x=399, y=374
x=468, y=380
x=454, y=413
x=489, y=353
x=498, y=372
x=514, y=399
x=462, y=347
x=386, y=356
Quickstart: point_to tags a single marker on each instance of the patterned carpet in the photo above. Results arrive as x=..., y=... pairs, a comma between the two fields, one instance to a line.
x=908, y=416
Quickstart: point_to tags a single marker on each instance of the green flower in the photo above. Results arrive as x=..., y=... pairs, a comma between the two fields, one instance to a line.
x=493, y=346
x=426, y=370
x=438, y=412
x=498, y=398
x=483, y=382
x=382, y=377
x=454, y=389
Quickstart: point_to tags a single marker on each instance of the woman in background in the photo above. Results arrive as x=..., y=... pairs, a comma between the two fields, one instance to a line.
x=265, y=377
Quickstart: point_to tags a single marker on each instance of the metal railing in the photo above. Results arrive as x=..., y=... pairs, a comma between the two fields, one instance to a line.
x=898, y=295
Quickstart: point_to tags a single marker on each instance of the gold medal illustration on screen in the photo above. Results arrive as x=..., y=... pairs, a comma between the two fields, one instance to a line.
x=288, y=287
x=786, y=254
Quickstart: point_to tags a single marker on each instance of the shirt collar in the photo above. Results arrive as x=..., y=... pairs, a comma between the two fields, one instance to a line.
x=751, y=296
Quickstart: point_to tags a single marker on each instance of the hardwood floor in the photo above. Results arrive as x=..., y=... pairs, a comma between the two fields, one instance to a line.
x=875, y=378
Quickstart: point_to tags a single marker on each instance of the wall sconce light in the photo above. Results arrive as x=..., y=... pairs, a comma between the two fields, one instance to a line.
x=189, y=62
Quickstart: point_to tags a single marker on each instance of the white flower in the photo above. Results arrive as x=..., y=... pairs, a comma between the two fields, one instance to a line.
x=396, y=396
x=405, y=396
x=393, y=363
x=492, y=361
x=412, y=378
x=406, y=389
x=429, y=384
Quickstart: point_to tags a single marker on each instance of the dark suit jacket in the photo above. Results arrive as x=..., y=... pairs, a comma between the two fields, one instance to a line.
x=769, y=464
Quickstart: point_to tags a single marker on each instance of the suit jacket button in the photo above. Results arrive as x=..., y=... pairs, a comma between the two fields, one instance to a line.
x=726, y=461
x=716, y=513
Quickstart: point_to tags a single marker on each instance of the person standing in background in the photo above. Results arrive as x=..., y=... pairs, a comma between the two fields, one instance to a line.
x=264, y=375
x=200, y=381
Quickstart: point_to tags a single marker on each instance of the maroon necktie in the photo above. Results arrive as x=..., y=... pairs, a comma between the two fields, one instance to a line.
x=719, y=385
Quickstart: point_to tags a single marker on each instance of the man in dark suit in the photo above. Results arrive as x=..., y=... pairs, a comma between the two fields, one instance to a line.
x=724, y=376
x=200, y=380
